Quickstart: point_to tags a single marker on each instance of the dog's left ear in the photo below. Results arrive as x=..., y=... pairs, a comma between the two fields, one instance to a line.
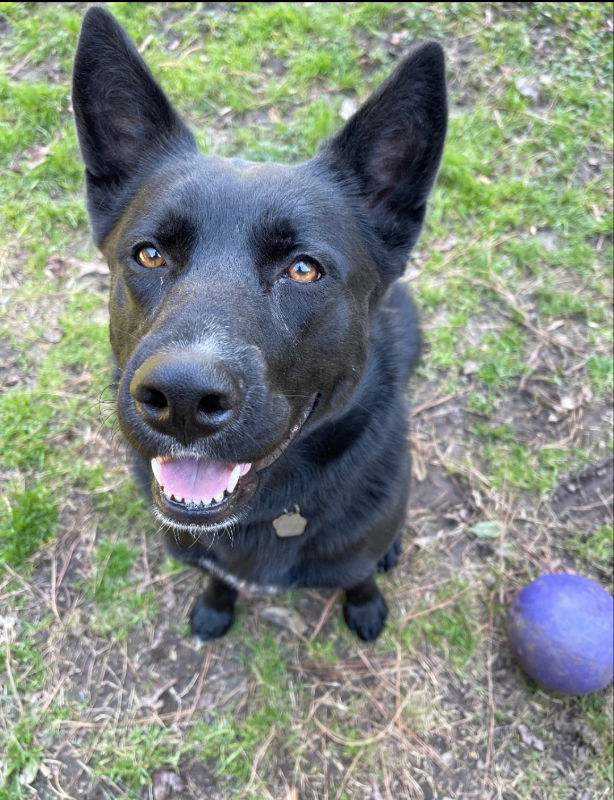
x=392, y=147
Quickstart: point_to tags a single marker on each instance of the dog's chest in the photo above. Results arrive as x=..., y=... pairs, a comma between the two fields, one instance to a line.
x=289, y=525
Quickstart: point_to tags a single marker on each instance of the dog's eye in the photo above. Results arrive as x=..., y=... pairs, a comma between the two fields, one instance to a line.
x=149, y=257
x=304, y=271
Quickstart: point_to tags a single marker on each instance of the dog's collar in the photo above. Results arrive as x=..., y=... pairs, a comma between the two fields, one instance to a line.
x=290, y=523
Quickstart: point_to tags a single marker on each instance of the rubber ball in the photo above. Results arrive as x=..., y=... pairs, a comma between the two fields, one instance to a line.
x=561, y=631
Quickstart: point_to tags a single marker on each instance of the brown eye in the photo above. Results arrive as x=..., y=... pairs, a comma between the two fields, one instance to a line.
x=149, y=257
x=304, y=271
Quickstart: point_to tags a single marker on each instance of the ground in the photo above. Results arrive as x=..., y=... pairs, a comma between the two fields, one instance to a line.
x=103, y=694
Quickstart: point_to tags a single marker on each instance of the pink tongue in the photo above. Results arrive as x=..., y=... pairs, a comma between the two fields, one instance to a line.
x=194, y=478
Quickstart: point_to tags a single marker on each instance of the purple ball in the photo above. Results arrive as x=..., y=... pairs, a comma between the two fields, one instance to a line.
x=561, y=630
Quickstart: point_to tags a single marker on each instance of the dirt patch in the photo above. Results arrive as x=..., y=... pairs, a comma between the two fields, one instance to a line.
x=585, y=499
x=9, y=374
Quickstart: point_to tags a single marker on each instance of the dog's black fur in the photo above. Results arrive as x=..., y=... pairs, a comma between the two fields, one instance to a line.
x=222, y=355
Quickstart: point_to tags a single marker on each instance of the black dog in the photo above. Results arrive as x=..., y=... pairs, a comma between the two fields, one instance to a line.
x=262, y=342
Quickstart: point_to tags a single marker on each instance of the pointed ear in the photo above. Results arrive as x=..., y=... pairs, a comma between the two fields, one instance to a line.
x=124, y=120
x=392, y=147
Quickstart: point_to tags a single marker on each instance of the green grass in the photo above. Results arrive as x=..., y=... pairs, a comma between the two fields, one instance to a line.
x=22, y=754
x=596, y=547
x=131, y=759
x=450, y=629
x=30, y=522
x=24, y=739
x=514, y=288
x=116, y=582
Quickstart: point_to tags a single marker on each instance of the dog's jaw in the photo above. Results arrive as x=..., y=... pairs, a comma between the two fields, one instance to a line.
x=226, y=526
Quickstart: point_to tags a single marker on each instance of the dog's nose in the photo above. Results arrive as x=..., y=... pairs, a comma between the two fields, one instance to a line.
x=186, y=395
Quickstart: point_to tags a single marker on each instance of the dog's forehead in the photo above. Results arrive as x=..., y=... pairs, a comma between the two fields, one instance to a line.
x=242, y=197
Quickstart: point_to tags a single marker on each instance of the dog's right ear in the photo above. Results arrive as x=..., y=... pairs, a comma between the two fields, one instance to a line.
x=124, y=120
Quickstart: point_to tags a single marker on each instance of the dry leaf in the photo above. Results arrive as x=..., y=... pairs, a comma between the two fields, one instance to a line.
x=8, y=628
x=56, y=267
x=145, y=43
x=166, y=783
x=398, y=38
x=28, y=773
x=445, y=245
x=154, y=701
x=530, y=739
x=412, y=272
x=37, y=154
x=52, y=335
x=548, y=239
x=488, y=529
x=418, y=467
x=555, y=325
x=528, y=88
x=471, y=367
x=569, y=403
x=423, y=541
x=291, y=620
x=348, y=107
x=90, y=267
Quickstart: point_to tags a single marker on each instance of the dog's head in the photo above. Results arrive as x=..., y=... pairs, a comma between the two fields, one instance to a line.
x=242, y=294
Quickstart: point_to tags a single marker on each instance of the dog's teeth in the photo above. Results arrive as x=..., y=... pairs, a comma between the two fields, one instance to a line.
x=234, y=479
x=156, y=469
x=219, y=496
x=166, y=492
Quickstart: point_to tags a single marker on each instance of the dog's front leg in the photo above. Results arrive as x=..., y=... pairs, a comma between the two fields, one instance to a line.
x=365, y=609
x=212, y=614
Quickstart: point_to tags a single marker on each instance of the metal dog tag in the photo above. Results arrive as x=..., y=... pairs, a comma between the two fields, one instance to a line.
x=290, y=524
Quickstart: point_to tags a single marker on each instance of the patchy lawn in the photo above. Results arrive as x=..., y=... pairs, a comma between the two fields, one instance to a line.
x=103, y=694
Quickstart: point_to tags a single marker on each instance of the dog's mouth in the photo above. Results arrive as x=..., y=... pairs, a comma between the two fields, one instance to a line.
x=193, y=491
x=197, y=491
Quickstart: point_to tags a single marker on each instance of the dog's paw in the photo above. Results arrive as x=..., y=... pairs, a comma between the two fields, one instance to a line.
x=209, y=623
x=367, y=620
x=391, y=558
